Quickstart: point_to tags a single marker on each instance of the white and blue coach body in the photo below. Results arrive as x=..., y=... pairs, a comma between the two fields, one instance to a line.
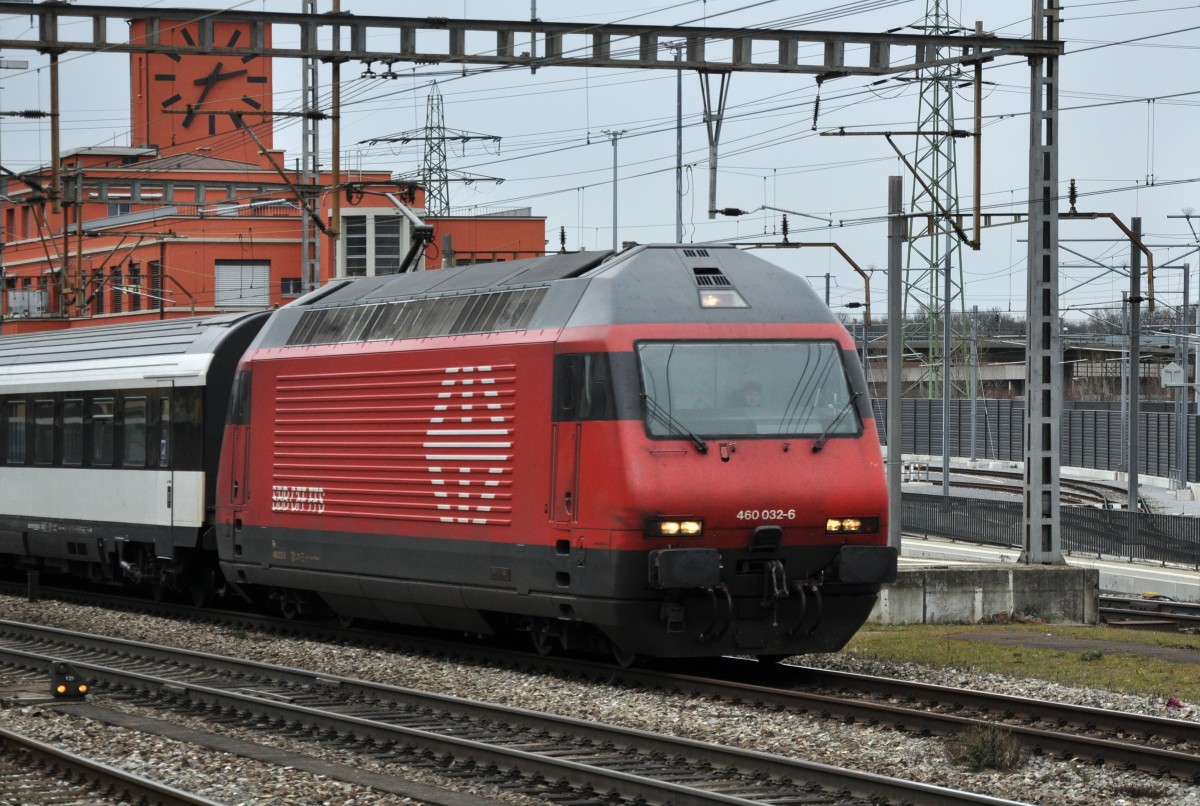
x=109, y=442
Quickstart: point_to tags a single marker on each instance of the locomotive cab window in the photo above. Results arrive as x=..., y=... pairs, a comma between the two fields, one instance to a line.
x=746, y=389
x=239, y=400
x=583, y=387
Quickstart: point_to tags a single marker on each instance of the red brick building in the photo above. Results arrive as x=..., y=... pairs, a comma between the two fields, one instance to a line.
x=203, y=215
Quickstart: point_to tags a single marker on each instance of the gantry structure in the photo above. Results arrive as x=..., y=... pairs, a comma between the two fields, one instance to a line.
x=535, y=44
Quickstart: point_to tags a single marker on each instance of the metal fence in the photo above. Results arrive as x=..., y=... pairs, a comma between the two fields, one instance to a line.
x=1092, y=437
x=1102, y=533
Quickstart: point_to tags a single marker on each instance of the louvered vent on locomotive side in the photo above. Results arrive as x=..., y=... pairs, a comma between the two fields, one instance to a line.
x=708, y=277
x=488, y=312
x=696, y=252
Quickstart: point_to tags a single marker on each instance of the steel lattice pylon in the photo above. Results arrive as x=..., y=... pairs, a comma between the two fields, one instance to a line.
x=434, y=174
x=932, y=242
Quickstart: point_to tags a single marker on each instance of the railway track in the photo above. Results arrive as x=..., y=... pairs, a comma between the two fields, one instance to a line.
x=1117, y=739
x=1154, y=744
x=1150, y=613
x=1072, y=491
x=539, y=754
x=35, y=772
x=1128, y=741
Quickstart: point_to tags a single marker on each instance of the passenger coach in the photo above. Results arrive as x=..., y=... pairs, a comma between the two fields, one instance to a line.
x=111, y=437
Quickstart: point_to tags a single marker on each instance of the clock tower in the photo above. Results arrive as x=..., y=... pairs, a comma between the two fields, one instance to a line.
x=182, y=102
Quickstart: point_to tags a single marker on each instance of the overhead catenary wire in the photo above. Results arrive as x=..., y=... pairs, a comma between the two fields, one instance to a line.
x=530, y=149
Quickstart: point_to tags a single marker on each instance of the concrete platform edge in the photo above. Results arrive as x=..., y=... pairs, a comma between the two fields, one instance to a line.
x=991, y=592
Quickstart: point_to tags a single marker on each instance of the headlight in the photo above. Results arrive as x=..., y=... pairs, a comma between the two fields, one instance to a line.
x=727, y=298
x=834, y=526
x=674, y=527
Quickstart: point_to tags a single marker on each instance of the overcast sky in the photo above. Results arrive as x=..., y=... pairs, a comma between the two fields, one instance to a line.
x=1129, y=89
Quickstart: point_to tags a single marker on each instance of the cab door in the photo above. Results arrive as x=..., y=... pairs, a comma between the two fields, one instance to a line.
x=240, y=463
x=564, y=493
x=239, y=437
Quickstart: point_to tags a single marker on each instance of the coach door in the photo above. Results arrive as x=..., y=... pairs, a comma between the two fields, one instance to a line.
x=166, y=460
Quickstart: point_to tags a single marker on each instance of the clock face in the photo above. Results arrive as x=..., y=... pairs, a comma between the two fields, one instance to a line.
x=206, y=94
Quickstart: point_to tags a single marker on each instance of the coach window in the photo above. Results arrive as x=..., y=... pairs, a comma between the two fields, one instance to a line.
x=72, y=432
x=164, y=432
x=16, y=432
x=102, y=432
x=43, y=432
x=133, y=430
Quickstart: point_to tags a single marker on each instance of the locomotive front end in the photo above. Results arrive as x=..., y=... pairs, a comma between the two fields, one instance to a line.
x=744, y=485
x=765, y=531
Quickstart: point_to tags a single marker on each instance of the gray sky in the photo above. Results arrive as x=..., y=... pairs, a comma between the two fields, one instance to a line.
x=1129, y=91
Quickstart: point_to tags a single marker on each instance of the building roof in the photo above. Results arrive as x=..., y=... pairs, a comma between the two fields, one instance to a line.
x=111, y=151
x=196, y=162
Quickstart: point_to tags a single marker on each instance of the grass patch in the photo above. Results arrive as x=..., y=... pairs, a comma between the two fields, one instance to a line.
x=985, y=748
x=961, y=646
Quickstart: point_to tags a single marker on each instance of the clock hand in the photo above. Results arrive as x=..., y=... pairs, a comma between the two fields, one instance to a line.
x=211, y=78
x=209, y=82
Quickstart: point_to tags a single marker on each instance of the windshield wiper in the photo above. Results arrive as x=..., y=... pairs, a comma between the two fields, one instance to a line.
x=658, y=411
x=820, y=443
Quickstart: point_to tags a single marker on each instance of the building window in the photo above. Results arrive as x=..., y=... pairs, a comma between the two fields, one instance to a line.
x=290, y=287
x=373, y=243
x=16, y=432
x=97, y=291
x=118, y=208
x=118, y=297
x=389, y=251
x=102, y=432
x=72, y=432
x=135, y=287
x=43, y=432
x=156, y=284
x=243, y=284
x=354, y=240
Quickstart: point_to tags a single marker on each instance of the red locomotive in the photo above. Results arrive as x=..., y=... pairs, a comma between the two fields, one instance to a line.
x=667, y=452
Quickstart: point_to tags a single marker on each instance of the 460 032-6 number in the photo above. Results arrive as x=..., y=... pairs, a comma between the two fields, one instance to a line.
x=766, y=514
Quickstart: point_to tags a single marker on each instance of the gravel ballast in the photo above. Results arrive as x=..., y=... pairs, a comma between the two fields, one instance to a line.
x=880, y=750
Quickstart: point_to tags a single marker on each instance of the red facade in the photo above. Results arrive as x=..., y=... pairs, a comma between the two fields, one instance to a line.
x=196, y=217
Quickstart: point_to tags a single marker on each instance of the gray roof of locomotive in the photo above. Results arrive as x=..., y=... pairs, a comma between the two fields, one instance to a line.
x=646, y=284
